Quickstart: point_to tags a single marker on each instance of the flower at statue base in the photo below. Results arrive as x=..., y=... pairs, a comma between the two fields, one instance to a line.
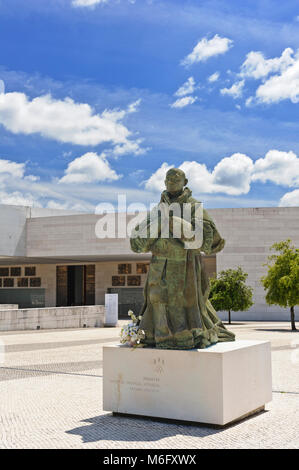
x=131, y=334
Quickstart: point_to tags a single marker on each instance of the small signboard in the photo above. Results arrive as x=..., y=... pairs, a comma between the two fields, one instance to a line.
x=111, y=306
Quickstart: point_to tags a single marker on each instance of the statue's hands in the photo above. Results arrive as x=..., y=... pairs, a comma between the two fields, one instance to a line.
x=181, y=229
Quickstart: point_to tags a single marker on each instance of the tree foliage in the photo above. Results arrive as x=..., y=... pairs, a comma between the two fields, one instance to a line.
x=229, y=291
x=282, y=280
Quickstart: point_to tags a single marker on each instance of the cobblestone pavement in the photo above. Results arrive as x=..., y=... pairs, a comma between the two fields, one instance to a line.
x=51, y=396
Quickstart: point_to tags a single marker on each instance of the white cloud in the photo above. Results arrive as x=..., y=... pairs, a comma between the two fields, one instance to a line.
x=67, y=154
x=64, y=120
x=182, y=102
x=236, y=90
x=57, y=205
x=249, y=102
x=278, y=167
x=88, y=168
x=137, y=174
x=187, y=88
x=11, y=169
x=214, y=77
x=290, y=199
x=16, y=198
x=234, y=174
x=17, y=189
x=11, y=174
x=32, y=178
x=231, y=175
x=129, y=147
x=87, y=3
x=92, y=3
x=281, y=87
x=207, y=48
x=133, y=107
x=256, y=66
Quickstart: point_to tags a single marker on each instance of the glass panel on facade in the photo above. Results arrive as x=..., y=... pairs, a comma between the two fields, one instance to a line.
x=30, y=271
x=23, y=282
x=134, y=280
x=124, y=268
x=4, y=272
x=15, y=271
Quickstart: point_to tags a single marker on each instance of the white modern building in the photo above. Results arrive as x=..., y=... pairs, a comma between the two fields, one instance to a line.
x=51, y=258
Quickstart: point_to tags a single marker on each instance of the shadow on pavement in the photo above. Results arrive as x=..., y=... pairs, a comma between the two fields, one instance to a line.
x=277, y=330
x=118, y=428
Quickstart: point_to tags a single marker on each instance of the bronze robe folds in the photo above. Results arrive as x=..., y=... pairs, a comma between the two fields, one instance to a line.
x=177, y=313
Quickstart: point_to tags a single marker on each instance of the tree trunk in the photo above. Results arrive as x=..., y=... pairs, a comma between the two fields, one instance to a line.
x=229, y=317
x=293, y=319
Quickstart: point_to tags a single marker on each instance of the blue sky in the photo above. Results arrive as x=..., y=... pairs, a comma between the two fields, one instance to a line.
x=101, y=97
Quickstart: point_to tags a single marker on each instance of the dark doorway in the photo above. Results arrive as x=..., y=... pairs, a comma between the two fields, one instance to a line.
x=75, y=285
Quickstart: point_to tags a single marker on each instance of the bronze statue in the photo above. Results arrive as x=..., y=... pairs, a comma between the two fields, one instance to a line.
x=177, y=313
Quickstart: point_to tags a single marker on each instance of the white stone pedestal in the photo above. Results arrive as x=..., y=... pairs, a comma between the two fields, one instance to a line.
x=217, y=385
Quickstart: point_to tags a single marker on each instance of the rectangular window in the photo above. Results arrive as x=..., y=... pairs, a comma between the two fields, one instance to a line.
x=4, y=272
x=23, y=282
x=141, y=268
x=35, y=282
x=15, y=271
x=8, y=282
x=124, y=268
x=134, y=280
x=118, y=280
x=30, y=271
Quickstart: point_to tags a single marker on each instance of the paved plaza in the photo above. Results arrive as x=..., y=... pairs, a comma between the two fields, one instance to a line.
x=51, y=396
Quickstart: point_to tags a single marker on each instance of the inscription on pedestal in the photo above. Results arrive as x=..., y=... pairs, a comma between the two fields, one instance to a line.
x=148, y=384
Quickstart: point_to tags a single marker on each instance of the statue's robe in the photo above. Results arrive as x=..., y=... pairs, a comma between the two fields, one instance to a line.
x=177, y=313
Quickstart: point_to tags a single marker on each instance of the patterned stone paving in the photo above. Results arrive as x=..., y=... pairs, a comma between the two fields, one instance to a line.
x=51, y=396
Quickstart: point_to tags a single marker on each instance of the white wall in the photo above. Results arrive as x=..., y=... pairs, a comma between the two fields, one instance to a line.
x=72, y=235
x=249, y=234
x=13, y=230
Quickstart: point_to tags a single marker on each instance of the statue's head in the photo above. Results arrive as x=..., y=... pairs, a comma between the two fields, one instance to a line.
x=175, y=180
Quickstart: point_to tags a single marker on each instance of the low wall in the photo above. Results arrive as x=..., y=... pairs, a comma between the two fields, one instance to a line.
x=266, y=314
x=54, y=317
x=9, y=306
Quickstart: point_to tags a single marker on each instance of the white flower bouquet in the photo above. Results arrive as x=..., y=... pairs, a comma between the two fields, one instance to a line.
x=131, y=334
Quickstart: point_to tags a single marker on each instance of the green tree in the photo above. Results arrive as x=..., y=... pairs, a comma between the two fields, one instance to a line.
x=282, y=280
x=229, y=291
